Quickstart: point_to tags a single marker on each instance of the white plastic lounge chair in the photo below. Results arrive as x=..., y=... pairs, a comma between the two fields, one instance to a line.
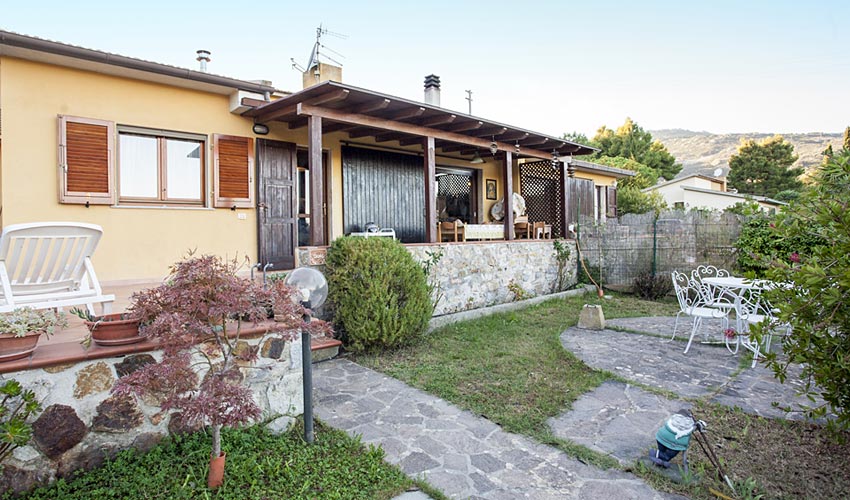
x=692, y=303
x=48, y=264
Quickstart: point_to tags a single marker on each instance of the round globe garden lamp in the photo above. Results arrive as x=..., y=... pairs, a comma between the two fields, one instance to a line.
x=313, y=288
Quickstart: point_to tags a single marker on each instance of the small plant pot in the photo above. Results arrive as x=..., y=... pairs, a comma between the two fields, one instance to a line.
x=12, y=347
x=216, y=474
x=110, y=329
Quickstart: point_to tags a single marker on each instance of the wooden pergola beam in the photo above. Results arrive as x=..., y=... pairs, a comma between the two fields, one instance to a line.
x=464, y=126
x=437, y=120
x=491, y=131
x=359, y=132
x=407, y=114
x=327, y=98
x=393, y=136
x=371, y=107
x=337, y=127
x=408, y=128
x=516, y=136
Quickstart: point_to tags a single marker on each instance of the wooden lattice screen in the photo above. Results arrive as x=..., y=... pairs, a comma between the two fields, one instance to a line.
x=453, y=193
x=540, y=185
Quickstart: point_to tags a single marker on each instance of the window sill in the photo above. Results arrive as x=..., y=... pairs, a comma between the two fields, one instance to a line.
x=163, y=207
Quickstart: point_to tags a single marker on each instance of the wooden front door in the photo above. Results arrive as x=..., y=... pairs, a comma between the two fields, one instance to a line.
x=276, y=213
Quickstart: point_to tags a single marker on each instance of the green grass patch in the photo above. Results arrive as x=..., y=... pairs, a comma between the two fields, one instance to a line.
x=511, y=367
x=260, y=465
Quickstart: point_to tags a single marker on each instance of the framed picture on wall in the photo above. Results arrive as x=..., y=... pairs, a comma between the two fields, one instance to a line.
x=491, y=189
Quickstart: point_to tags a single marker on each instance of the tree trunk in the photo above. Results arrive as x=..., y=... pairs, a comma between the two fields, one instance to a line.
x=216, y=440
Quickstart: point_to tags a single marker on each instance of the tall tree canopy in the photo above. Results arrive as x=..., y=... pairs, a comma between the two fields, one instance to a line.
x=633, y=142
x=764, y=168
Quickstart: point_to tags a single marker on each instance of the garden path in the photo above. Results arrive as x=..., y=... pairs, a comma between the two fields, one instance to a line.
x=461, y=454
x=620, y=419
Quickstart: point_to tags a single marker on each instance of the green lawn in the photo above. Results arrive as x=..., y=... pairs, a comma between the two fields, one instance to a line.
x=511, y=367
x=260, y=466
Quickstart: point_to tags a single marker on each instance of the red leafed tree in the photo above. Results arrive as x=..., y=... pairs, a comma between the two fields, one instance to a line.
x=196, y=315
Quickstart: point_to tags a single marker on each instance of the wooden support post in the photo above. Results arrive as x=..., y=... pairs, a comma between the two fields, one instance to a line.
x=317, y=190
x=430, y=160
x=508, y=173
x=565, y=199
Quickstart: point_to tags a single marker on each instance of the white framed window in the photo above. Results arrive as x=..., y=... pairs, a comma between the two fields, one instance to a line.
x=161, y=167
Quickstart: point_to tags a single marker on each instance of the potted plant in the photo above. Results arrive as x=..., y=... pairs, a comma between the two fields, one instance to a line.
x=110, y=329
x=20, y=330
x=197, y=317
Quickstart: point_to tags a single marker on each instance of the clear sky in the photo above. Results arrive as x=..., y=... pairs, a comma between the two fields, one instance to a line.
x=553, y=67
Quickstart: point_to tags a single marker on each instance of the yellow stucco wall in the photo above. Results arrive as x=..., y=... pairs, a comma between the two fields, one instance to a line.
x=138, y=243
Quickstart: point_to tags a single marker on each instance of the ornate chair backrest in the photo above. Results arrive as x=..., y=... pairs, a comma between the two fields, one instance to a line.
x=708, y=272
x=687, y=293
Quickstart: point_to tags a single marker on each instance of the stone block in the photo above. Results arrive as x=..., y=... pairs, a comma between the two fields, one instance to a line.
x=133, y=363
x=591, y=318
x=118, y=413
x=57, y=430
x=92, y=379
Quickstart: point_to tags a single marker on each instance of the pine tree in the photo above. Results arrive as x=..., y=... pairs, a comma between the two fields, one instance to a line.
x=764, y=168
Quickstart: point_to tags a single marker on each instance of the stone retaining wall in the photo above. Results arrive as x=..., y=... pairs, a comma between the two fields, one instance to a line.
x=82, y=423
x=476, y=275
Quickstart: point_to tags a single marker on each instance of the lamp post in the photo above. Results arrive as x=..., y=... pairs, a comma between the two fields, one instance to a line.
x=313, y=287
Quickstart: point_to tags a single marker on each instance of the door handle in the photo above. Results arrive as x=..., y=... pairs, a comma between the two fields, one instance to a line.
x=265, y=209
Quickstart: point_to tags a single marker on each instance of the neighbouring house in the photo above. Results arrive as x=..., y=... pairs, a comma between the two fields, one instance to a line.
x=704, y=192
x=168, y=159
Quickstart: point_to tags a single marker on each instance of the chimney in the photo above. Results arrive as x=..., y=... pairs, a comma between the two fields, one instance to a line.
x=321, y=72
x=204, y=58
x=432, y=90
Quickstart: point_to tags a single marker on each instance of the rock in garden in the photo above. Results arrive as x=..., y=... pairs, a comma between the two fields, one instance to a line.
x=591, y=318
x=118, y=413
x=57, y=430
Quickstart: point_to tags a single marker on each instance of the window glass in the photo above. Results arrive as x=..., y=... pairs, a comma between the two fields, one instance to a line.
x=138, y=166
x=303, y=191
x=183, y=169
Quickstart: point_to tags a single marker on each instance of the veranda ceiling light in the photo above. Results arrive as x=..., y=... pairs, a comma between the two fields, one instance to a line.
x=554, y=159
x=476, y=159
x=494, y=148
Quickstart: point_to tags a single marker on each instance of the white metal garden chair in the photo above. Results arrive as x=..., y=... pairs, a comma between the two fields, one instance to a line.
x=48, y=264
x=754, y=309
x=714, y=297
x=692, y=303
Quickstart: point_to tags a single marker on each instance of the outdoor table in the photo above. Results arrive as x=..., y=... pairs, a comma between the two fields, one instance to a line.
x=484, y=231
x=737, y=288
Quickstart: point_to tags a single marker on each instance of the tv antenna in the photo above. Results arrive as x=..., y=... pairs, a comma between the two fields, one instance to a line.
x=320, y=51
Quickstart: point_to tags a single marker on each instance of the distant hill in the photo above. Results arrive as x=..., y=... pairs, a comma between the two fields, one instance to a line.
x=704, y=152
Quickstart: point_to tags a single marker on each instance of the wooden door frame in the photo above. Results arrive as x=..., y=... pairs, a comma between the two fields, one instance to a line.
x=259, y=194
x=327, y=168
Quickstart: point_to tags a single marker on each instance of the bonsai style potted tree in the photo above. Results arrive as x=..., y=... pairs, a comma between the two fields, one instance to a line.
x=20, y=330
x=110, y=329
x=196, y=315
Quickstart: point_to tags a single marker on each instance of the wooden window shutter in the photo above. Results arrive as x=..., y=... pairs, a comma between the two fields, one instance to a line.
x=612, y=201
x=234, y=171
x=86, y=161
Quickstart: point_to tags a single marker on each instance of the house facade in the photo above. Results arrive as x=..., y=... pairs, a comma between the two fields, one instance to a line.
x=169, y=160
x=702, y=192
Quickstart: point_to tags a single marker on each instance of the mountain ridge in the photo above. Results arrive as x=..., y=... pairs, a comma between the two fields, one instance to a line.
x=702, y=152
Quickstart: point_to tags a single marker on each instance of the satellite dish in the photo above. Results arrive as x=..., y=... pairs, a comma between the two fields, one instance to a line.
x=718, y=172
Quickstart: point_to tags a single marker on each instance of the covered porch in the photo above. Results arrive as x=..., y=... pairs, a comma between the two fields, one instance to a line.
x=409, y=165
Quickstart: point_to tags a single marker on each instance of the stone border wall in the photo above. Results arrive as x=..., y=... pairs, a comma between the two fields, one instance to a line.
x=82, y=424
x=475, y=275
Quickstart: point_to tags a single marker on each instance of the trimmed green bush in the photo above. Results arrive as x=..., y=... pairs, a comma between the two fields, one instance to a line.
x=380, y=294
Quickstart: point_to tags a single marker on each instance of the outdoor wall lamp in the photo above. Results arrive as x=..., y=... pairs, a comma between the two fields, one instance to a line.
x=260, y=129
x=313, y=287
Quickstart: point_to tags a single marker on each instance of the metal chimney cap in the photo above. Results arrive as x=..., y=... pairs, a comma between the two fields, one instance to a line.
x=203, y=55
x=432, y=81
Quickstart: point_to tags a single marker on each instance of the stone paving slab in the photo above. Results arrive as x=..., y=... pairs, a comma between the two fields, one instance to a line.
x=705, y=370
x=617, y=419
x=654, y=361
x=463, y=455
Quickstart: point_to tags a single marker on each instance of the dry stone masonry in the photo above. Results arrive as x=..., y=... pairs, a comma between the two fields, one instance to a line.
x=83, y=423
x=476, y=275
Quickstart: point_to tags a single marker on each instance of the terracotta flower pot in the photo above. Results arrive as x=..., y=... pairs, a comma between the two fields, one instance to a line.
x=216, y=475
x=114, y=330
x=12, y=347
